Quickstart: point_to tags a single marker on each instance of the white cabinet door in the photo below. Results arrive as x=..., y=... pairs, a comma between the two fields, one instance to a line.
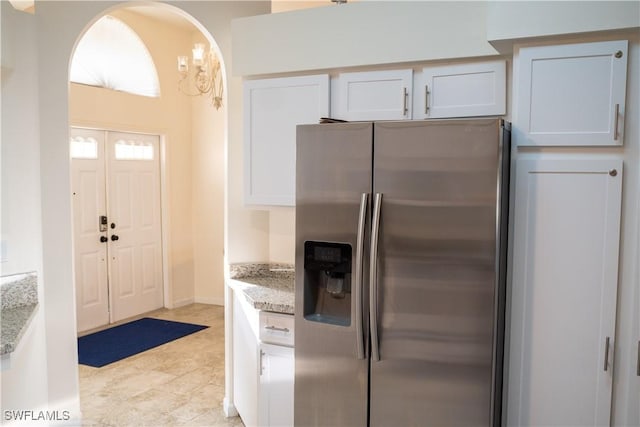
x=564, y=285
x=462, y=90
x=571, y=94
x=276, y=385
x=245, y=360
x=272, y=109
x=374, y=95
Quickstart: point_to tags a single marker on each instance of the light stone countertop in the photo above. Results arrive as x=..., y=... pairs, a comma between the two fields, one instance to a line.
x=268, y=287
x=19, y=296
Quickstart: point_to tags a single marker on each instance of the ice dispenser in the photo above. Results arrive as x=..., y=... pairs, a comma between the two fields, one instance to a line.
x=327, y=282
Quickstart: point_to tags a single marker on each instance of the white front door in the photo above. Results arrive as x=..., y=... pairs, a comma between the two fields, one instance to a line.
x=118, y=264
x=89, y=204
x=134, y=224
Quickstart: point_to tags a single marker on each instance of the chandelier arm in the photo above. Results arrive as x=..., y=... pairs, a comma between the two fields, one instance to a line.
x=186, y=92
x=205, y=78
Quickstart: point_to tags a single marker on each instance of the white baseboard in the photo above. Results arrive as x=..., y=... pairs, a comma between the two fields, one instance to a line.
x=210, y=300
x=182, y=302
x=228, y=408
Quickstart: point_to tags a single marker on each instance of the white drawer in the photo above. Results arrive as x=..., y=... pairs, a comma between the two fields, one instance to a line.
x=276, y=328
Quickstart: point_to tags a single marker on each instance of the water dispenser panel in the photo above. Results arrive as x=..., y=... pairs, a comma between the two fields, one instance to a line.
x=327, y=256
x=327, y=282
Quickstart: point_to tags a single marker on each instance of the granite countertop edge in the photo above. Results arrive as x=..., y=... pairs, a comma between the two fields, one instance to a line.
x=19, y=294
x=266, y=287
x=15, y=322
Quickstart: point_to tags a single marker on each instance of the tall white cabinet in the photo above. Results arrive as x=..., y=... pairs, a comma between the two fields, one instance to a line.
x=565, y=278
x=566, y=233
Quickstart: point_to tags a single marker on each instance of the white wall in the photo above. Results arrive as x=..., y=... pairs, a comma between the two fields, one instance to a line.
x=282, y=242
x=59, y=24
x=21, y=227
x=385, y=32
x=208, y=184
x=360, y=33
x=519, y=20
x=24, y=384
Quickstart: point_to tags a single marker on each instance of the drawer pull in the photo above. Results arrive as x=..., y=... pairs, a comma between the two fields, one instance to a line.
x=275, y=328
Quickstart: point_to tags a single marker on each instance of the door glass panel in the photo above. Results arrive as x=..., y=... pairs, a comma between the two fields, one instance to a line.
x=133, y=150
x=84, y=148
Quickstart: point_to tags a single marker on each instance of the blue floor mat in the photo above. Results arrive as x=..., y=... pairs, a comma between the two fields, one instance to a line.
x=113, y=344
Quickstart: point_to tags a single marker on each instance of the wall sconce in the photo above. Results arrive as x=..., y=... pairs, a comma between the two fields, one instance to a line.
x=206, y=78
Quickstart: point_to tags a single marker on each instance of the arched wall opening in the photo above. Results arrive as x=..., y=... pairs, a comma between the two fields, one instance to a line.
x=59, y=26
x=193, y=140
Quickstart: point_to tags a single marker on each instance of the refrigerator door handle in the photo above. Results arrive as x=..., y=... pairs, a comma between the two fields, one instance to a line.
x=362, y=219
x=373, y=278
x=638, y=364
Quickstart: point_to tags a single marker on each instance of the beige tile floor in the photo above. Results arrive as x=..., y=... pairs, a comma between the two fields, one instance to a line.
x=180, y=383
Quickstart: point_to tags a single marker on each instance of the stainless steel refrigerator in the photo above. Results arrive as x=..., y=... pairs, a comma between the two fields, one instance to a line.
x=400, y=273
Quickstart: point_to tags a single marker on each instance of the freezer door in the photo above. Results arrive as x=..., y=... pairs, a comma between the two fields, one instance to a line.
x=333, y=163
x=436, y=272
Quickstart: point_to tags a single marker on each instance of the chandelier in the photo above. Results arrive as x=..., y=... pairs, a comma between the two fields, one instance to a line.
x=205, y=79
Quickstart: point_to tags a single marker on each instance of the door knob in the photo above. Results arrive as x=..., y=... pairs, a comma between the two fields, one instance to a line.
x=103, y=239
x=114, y=237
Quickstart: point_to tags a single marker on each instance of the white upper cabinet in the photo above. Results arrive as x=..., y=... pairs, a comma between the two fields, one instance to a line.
x=461, y=90
x=570, y=94
x=272, y=110
x=374, y=95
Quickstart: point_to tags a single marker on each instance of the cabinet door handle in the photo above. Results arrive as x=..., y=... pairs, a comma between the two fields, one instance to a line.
x=261, y=354
x=405, y=101
x=606, y=354
x=638, y=363
x=275, y=328
x=615, y=122
x=426, y=99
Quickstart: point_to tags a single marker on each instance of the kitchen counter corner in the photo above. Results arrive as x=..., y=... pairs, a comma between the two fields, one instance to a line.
x=268, y=287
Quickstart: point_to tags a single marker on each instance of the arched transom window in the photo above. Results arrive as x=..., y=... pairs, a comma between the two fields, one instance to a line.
x=112, y=56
